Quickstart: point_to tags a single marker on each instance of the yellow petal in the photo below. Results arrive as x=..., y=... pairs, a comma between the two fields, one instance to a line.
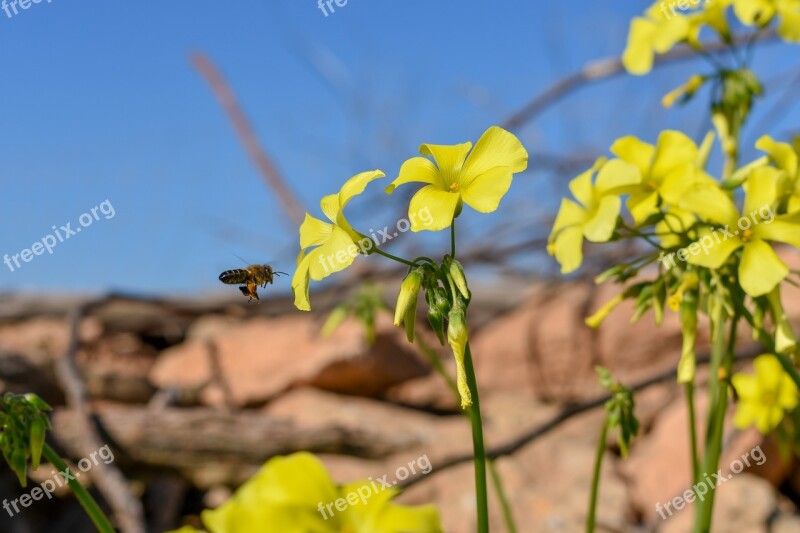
x=314, y=232
x=569, y=214
x=567, y=249
x=672, y=150
x=486, y=191
x=716, y=251
x=782, y=229
x=581, y=187
x=356, y=185
x=496, y=148
x=711, y=203
x=782, y=153
x=330, y=206
x=638, y=55
x=642, y=205
x=635, y=152
x=789, y=27
x=440, y=204
x=601, y=226
x=617, y=177
x=746, y=386
x=416, y=169
x=336, y=254
x=300, y=283
x=761, y=269
x=449, y=159
x=752, y=12
x=760, y=189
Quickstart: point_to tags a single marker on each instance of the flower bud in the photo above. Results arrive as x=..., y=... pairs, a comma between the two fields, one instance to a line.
x=688, y=316
x=456, y=272
x=38, y=428
x=457, y=337
x=406, y=310
x=596, y=319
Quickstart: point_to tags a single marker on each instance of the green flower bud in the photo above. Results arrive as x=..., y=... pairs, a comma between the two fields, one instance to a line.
x=456, y=271
x=688, y=316
x=19, y=465
x=406, y=310
x=38, y=429
x=37, y=402
x=457, y=337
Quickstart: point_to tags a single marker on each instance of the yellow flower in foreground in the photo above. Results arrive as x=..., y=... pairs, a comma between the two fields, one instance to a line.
x=760, y=269
x=786, y=159
x=764, y=396
x=295, y=494
x=328, y=247
x=761, y=13
x=594, y=215
x=479, y=178
x=657, y=32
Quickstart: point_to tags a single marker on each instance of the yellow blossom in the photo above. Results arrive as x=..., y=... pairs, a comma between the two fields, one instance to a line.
x=761, y=13
x=764, y=396
x=657, y=32
x=460, y=174
x=784, y=156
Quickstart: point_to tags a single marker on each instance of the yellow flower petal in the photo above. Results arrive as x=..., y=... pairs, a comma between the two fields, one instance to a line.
x=335, y=255
x=761, y=269
x=440, y=204
x=789, y=27
x=569, y=214
x=300, y=283
x=711, y=203
x=642, y=205
x=567, y=248
x=638, y=55
x=782, y=153
x=449, y=159
x=752, y=12
x=581, y=187
x=760, y=189
x=314, y=232
x=496, y=148
x=486, y=191
x=601, y=226
x=416, y=169
x=717, y=253
x=356, y=185
x=673, y=149
x=634, y=151
x=782, y=229
x=617, y=177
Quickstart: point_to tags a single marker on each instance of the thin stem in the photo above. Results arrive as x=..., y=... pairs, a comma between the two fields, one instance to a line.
x=394, y=257
x=508, y=516
x=453, y=239
x=689, y=387
x=479, y=451
x=598, y=463
x=99, y=519
x=497, y=482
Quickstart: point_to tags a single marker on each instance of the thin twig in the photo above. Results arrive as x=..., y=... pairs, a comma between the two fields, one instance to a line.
x=227, y=99
x=529, y=436
x=109, y=479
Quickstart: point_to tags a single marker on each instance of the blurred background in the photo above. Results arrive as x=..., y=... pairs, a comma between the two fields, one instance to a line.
x=201, y=131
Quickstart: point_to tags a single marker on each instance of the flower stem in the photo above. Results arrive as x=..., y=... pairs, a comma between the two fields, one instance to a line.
x=453, y=239
x=394, y=257
x=477, y=444
x=508, y=516
x=598, y=462
x=97, y=516
x=689, y=387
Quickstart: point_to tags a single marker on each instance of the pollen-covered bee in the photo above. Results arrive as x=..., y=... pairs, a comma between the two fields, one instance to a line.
x=250, y=278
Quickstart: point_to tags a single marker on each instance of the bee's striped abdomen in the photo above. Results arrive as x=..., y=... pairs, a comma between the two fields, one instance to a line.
x=232, y=277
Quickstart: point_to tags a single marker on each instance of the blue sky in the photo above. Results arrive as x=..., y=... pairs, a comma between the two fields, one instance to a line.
x=100, y=102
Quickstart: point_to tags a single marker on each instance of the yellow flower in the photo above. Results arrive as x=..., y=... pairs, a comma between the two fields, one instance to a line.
x=328, y=247
x=764, y=396
x=594, y=215
x=657, y=32
x=479, y=178
x=666, y=170
x=295, y=494
x=760, y=268
x=761, y=13
x=785, y=158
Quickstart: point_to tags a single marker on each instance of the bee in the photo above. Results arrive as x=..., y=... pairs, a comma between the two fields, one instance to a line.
x=250, y=278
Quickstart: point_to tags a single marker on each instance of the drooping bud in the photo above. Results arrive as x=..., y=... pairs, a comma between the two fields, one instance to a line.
x=38, y=429
x=456, y=272
x=438, y=308
x=406, y=310
x=457, y=337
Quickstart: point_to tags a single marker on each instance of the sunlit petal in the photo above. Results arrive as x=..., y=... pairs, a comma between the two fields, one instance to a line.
x=440, y=204
x=496, y=148
x=314, y=232
x=761, y=269
x=635, y=152
x=601, y=226
x=486, y=191
x=416, y=169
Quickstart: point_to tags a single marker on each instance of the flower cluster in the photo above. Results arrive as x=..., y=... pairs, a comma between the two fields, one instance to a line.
x=662, y=27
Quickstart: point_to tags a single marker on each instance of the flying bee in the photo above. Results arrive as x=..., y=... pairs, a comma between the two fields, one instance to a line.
x=250, y=278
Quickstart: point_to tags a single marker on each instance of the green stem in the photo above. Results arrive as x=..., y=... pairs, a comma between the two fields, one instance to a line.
x=99, y=519
x=436, y=363
x=721, y=364
x=508, y=516
x=689, y=387
x=598, y=463
x=453, y=239
x=479, y=451
x=394, y=257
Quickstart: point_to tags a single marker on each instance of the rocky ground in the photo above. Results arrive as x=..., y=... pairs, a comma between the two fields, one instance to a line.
x=194, y=396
